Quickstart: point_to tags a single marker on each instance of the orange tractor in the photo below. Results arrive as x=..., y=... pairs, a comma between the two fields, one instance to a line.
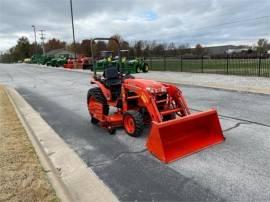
x=174, y=133
x=81, y=62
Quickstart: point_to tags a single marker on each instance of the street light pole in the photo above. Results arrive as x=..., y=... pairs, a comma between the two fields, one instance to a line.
x=74, y=44
x=42, y=37
x=35, y=48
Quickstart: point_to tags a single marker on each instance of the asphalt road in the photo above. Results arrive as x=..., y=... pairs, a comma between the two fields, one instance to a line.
x=237, y=170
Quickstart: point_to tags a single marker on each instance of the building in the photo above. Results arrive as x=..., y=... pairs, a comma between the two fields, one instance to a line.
x=58, y=52
x=229, y=49
x=237, y=50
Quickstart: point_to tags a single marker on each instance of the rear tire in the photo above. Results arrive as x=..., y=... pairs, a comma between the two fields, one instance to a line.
x=97, y=94
x=138, y=69
x=133, y=123
x=145, y=68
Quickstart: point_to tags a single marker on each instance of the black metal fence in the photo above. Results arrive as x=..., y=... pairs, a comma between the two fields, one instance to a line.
x=246, y=65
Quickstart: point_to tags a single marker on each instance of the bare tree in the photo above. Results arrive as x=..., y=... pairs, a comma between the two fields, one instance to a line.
x=112, y=46
x=262, y=45
x=172, y=49
x=138, y=47
x=53, y=44
x=199, y=50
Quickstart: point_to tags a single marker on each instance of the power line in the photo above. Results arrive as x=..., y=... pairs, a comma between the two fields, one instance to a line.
x=220, y=25
x=42, y=37
x=234, y=22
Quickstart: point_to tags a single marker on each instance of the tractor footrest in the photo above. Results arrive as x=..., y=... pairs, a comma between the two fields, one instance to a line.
x=133, y=97
x=115, y=120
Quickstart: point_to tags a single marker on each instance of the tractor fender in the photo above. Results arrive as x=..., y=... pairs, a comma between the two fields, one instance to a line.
x=105, y=91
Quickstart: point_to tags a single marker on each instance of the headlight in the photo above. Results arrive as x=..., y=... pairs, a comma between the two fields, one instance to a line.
x=150, y=90
x=156, y=90
x=163, y=89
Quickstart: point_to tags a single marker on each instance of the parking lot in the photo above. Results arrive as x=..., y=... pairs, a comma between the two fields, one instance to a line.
x=236, y=170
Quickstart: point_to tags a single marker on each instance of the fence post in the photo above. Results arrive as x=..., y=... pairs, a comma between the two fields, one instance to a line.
x=227, y=64
x=260, y=58
x=164, y=62
x=181, y=64
x=202, y=63
x=151, y=63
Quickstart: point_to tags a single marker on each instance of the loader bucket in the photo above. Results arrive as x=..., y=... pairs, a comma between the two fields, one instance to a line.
x=177, y=138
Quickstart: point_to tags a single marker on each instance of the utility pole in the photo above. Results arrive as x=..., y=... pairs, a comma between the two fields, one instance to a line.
x=35, y=46
x=42, y=37
x=71, y=11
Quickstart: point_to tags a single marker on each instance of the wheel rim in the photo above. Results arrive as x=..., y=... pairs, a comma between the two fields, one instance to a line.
x=146, y=68
x=92, y=105
x=129, y=124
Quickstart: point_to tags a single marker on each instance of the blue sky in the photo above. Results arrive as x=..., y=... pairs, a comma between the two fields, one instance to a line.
x=150, y=15
x=180, y=21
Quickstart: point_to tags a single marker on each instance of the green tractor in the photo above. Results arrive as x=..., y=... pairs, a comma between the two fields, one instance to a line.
x=35, y=58
x=128, y=65
x=132, y=65
x=104, y=61
x=44, y=59
x=58, y=61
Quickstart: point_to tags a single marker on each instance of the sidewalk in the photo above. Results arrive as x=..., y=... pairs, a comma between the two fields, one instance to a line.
x=228, y=82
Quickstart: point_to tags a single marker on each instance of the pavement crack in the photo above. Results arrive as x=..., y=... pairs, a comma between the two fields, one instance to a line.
x=237, y=119
x=119, y=155
x=235, y=126
x=10, y=76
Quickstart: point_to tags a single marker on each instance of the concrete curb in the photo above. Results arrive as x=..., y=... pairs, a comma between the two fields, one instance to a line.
x=68, y=174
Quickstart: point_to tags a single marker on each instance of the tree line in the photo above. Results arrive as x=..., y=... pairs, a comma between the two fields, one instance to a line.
x=141, y=48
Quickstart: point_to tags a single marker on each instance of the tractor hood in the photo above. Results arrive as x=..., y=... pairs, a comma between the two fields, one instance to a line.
x=132, y=61
x=101, y=61
x=144, y=83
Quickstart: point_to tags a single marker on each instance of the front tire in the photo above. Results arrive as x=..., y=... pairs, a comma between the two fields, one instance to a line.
x=145, y=68
x=138, y=69
x=133, y=123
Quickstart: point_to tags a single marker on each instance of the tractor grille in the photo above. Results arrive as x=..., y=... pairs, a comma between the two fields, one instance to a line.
x=160, y=97
x=161, y=100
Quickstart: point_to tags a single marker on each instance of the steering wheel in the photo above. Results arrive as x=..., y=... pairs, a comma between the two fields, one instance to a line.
x=127, y=76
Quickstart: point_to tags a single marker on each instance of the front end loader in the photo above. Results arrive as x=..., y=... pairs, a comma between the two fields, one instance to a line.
x=175, y=131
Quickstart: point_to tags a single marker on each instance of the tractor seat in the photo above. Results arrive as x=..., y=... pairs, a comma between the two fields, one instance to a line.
x=111, y=76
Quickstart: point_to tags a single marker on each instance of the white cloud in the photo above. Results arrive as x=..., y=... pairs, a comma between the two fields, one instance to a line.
x=185, y=21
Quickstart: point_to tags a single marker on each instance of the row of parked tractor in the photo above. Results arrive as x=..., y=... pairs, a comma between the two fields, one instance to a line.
x=103, y=60
x=62, y=60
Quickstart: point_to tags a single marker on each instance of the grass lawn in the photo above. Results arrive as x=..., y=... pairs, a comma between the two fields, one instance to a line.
x=246, y=67
x=21, y=176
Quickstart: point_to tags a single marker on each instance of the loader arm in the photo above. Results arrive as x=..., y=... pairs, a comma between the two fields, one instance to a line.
x=174, y=101
x=146, y=100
